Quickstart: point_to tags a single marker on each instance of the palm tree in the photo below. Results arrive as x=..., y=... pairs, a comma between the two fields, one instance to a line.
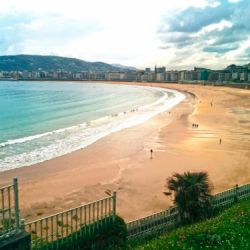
x=191, y=195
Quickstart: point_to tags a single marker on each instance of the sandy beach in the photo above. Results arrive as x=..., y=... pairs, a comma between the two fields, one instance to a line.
x=121, y=161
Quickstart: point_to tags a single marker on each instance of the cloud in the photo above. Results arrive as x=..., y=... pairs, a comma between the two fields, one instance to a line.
x=244, y=57
x=127, y=32
x=216, y=29
x=220, y=49
x=26, y=33
x=179, y=39
x=247, y=52
x=10, y=30
x=112, y=31
x=194, y=19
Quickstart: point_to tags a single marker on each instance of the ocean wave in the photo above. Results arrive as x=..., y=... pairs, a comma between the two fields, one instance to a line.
x=159, y=101
x=34, y=137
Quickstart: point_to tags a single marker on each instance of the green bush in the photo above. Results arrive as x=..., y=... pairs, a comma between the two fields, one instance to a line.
x=192, y=195
x=106, y=234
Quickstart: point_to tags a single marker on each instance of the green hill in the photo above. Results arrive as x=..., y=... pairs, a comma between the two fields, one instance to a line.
x=229, y=230
x=50, y=63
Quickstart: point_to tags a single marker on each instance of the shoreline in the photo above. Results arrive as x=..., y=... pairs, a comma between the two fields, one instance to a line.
x=80, y=177
x=243, y=85
x=125, y=119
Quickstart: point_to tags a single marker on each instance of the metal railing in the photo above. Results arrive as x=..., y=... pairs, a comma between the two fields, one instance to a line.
x=228, y=197
x=70, y=224
x=59, y=227
x=155, y=223
x=170, y=219
x=9, y=210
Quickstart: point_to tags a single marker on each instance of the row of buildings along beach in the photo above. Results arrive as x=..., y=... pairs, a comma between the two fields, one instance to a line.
x=231, y=74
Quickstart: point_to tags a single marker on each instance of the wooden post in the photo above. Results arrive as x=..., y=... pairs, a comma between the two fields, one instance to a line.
x=17, y=218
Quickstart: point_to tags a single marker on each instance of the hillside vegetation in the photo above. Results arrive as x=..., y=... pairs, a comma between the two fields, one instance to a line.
x=50, y=63
x=229, y=230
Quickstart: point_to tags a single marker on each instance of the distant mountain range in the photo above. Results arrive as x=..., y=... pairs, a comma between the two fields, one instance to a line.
x=123, y=67
x=54, y=63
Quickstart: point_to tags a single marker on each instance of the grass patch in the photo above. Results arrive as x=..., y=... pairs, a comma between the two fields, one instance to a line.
x=229, y=230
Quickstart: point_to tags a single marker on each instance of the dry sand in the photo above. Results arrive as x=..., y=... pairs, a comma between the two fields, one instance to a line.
x=121, y=161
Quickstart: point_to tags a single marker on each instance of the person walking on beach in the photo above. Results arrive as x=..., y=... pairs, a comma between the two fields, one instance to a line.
x=220, y=141
x=151, y=153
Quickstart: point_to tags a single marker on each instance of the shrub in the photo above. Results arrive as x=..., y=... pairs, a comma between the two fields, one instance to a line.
x=191, y=195
x=106, y=234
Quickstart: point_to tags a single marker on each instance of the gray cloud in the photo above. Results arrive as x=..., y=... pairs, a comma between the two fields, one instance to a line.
x=194, y=19
x=247, y=53
x=165, y=47
x=179, y=39
x=248, y=50
x=220, y=49
x=182, y=29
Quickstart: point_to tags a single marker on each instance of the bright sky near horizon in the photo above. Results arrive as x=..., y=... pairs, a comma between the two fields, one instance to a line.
x=173, y=33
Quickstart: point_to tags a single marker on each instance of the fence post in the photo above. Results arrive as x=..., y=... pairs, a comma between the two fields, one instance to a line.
x=236, y=197
x=114, y=204
x=17, y=218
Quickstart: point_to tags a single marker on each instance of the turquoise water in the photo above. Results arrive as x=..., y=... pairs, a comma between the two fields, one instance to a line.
x=42, y=120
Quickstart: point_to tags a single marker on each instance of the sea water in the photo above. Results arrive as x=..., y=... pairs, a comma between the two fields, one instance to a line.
x=43, y=120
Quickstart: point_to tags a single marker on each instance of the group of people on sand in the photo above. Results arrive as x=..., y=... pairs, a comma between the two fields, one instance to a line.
x=194, y=125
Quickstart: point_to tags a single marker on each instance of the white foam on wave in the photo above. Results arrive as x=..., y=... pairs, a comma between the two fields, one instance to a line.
x=80, y=136
x=34, y=137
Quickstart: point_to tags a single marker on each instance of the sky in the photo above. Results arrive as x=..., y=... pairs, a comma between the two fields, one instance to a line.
x=177, y=34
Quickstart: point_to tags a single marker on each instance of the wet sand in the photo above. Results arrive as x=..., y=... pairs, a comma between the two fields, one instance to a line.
x=121, y=161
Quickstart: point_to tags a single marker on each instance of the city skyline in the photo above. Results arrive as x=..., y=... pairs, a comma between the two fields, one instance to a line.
x=178, y=35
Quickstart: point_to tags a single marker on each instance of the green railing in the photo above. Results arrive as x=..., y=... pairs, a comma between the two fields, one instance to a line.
x=228, y=197
x=154, y=224
x=59, y=227
x=9, y=210
x=67, y=226
x=169, y=219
